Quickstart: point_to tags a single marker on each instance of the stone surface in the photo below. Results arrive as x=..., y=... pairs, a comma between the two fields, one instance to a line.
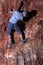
x=30, y=53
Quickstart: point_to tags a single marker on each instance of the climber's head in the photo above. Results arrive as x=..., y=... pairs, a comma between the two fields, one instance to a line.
x=25, y=13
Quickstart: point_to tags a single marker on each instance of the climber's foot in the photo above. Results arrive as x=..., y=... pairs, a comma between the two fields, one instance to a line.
x=9, y=44
x=24, y=41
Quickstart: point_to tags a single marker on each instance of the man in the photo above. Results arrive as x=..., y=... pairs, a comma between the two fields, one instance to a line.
x=16, y=16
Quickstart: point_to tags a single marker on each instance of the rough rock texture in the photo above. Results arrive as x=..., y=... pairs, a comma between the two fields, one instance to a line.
x=30, y=53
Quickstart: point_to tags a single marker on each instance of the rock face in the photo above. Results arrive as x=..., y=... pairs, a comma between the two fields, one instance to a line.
x=30, y=53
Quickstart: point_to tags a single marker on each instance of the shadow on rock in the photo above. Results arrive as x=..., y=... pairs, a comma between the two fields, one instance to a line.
x=29, y=15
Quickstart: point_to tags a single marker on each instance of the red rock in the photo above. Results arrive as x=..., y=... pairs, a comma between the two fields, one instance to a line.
x=34, y=33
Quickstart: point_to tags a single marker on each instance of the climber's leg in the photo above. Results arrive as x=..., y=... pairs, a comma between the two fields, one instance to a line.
x=17, y=28
x=10, y=25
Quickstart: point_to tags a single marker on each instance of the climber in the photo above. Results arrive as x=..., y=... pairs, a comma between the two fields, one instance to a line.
x=16, y=16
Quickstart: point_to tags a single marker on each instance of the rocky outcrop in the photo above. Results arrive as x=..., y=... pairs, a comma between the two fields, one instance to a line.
x=30, y=53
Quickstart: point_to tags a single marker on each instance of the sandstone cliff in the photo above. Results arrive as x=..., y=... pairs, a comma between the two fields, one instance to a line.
x=30, y=53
